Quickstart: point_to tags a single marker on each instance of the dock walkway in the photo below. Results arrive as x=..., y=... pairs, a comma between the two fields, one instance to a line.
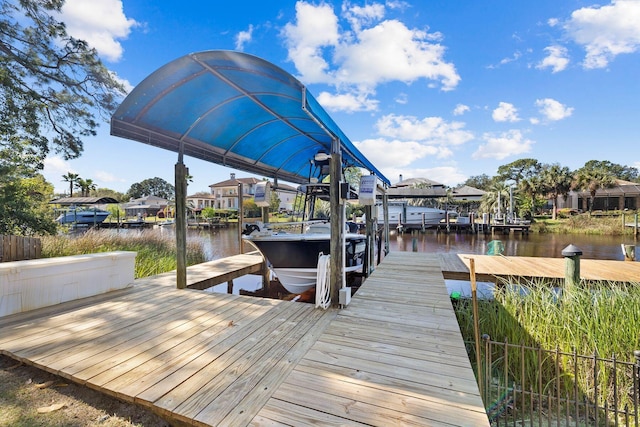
x=491, y=267
x=394, y=356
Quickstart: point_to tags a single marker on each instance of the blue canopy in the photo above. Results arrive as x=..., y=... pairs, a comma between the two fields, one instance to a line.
x=237, y=110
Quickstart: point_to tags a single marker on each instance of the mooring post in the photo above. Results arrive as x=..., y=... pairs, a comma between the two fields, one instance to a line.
x=571, y=255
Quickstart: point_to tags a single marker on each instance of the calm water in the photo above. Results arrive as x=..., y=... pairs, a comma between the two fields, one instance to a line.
x=224, y=242
x=535, y=245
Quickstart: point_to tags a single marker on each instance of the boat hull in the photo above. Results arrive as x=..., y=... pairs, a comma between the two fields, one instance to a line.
x=416, y=216
x=83, y=217
x=294, y=257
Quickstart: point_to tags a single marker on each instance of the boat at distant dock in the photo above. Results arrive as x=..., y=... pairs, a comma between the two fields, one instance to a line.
x=408, y=216
x=84, y=216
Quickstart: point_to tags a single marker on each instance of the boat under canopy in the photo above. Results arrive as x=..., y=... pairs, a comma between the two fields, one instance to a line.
x=238, y=110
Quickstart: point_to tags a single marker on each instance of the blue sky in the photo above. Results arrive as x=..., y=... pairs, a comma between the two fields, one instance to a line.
x=437, y=89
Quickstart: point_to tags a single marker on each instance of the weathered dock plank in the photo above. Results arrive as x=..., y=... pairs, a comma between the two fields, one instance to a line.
x=490, y=267
x=393, y=356
x=383, y=361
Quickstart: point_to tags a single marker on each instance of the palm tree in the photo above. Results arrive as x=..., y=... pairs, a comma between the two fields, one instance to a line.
x=496, y=198
x=71, y=178
x=555, y=182
x=423, y=201
x=591, y=180
x=85, y=186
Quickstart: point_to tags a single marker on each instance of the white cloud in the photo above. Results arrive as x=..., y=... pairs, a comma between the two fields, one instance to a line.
x=128, y=87
x=515, y=57
x=316, y=28
x=556, y=59
x=54, y=168
x=505, y=112
x=503, y=145
x=348, y=102
x=460, y=109
x=606, y=31
x=364, y=52
x=57, y=165
x=447, y=175
x=362, y=15
x=430, y=130
x=107, y=177
x=402, y=98
x=385, y=154
x=243, y=37
x=553, y=110
x=101, y=23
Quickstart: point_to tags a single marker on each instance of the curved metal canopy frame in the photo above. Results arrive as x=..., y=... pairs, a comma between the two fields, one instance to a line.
x=236, y=110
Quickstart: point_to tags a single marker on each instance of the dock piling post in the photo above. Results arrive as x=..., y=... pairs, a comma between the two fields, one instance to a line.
x=571, y=255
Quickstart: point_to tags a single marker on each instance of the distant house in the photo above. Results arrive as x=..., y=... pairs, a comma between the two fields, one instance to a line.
x=225, y=193
x=416, y=188
x=287, y=196
x=201, y=200
x=623, y=195
x=466, y=193
x=145, y=206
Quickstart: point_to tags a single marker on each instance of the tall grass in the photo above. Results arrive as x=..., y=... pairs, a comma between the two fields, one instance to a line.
x=156, y=253
x=599, y=318
x=582, y=224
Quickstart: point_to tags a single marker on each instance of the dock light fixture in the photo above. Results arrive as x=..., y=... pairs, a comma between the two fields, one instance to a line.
x=571, y=251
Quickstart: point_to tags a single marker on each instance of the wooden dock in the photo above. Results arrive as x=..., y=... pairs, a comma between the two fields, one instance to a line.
x=489, y=268
x=394, y=356
x=509, y=228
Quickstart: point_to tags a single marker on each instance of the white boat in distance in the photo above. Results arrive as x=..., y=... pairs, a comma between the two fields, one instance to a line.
x=407, y=216
x=78, y=215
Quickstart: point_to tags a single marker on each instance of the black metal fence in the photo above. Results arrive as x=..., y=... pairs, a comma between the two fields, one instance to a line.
x=528, y=386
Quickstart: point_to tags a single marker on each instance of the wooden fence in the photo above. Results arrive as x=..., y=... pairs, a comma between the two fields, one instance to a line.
x=18, y=248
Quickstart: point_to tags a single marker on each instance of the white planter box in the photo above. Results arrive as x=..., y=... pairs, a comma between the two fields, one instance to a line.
x=31, y=284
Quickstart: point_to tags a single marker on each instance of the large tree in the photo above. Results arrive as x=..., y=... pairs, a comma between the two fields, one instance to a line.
x=52, y=85
x=53, y=88
x=152, y=187
x=24, y=208
x=481, y=182
x=591, y=178
x=627, y=173
x=524, y=174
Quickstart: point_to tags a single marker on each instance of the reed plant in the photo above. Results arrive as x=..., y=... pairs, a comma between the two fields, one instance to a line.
x=582, y=224
x=156, y=253
x=595, y=319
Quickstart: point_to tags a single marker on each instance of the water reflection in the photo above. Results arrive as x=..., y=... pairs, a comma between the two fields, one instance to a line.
x=534, y=245
x=222, y=242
